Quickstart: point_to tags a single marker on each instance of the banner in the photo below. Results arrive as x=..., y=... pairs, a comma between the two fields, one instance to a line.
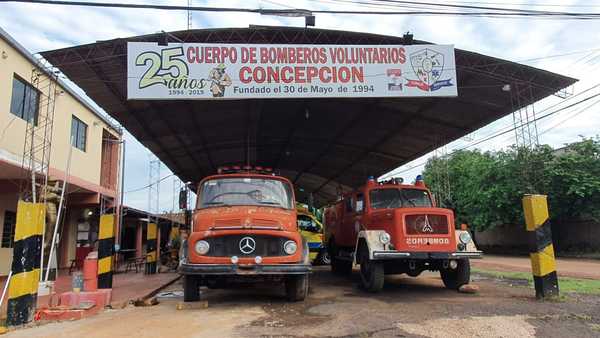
x=237, y=71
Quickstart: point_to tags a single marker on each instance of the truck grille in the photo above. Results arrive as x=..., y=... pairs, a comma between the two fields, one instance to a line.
x=229, y=245
x=426, y=225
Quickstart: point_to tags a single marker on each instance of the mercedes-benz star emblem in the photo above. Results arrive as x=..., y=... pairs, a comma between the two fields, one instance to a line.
x=247, y=245
x=427, y=227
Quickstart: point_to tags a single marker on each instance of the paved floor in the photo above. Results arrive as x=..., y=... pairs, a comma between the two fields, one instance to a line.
x=132, y=286
x=566, y=267
x=336, y=307
x=126, y=286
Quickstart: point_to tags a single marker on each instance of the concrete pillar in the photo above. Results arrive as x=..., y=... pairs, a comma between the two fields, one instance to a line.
x=106, y=244
x=22, y=290
x=158, y=245
x=541, y=251
x=139, y=240
x=151, y=248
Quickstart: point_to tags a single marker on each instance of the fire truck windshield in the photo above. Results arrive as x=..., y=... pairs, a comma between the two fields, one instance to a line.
x=245, y=191
x=390, y=198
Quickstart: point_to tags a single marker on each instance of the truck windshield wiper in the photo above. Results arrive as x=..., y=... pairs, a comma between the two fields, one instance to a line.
x=270, y=203
x=217, y=203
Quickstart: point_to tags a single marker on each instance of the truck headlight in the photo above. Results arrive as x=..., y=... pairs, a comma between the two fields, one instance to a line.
x=202, y=247
x=464, y=237
x=290, y=247
x=385, y=238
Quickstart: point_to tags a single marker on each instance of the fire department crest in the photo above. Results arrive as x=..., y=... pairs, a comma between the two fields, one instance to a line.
x=428, y=66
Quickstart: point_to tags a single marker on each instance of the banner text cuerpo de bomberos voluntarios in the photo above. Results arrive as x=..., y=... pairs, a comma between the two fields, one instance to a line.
x=234, y=71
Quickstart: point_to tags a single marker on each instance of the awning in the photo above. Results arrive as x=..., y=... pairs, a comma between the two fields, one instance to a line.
x=322, y=145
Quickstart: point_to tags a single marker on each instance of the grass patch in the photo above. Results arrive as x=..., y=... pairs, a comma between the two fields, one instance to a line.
x=565, y=284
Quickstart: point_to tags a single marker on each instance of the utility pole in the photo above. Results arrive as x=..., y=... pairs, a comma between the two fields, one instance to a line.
x=153, y=185
x=153, y=209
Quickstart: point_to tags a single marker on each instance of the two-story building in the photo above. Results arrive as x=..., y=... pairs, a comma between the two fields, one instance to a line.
x=79, y=132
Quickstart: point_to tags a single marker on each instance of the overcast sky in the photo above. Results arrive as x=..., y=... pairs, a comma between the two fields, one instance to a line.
x=541, y=43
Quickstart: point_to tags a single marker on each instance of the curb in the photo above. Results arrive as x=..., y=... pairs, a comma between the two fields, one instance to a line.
x=158, y=289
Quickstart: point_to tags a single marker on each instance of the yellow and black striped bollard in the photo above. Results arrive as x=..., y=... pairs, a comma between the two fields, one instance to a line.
x=151, y=249
x=541, y=250
x=106, y=244
x=23, y=285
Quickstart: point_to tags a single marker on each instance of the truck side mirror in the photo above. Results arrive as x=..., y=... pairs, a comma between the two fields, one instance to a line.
x=183, y=197
x=359, y=205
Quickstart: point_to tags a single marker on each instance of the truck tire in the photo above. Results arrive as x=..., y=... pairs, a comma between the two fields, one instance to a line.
x=372, y=274
x=338, y=266
x=323, y=258
x=191, y=292
x=454, y=279
x=296, y=288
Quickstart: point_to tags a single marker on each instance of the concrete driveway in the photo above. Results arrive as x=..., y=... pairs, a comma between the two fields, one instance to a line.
x=337, y=307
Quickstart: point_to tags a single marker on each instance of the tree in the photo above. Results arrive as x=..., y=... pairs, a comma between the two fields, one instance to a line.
x=575, y=181
x=486, y=188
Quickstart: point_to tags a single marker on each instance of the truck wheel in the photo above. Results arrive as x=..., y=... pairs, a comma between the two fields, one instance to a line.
x=454, y=279
x=323, y=258
x=338, y=266
x=191, y=293
x=372, y=274
x=296, y=288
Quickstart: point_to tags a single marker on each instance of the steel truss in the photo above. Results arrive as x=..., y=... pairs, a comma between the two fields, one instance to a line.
x=38, y=135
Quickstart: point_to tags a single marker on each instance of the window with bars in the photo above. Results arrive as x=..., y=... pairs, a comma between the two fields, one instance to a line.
x=25, y=100
x=78, y=133
x=8, y=229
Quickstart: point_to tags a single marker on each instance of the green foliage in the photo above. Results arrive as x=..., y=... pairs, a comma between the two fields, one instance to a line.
x=485, y=188
x=575, y=181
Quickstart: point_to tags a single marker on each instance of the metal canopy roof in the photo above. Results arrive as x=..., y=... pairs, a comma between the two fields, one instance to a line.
x=320, y=144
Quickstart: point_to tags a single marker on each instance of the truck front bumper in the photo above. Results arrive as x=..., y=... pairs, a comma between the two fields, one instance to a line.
x=240, y=270
x=392, y=254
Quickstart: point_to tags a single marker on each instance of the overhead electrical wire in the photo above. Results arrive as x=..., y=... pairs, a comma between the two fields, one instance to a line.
x=468, y=7
x=522, y=4
x=149, y=185
x=473, y=10
x=506, y=131
x=490, y=12
x=571, y=116
x=427, y=6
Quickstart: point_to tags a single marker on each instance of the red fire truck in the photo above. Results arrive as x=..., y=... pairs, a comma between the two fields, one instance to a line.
x=393, y=228
x=245, y=230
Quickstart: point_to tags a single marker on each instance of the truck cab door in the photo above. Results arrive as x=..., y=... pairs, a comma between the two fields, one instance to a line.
x=359, y=218
x=352, y=220
x=346, y=221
